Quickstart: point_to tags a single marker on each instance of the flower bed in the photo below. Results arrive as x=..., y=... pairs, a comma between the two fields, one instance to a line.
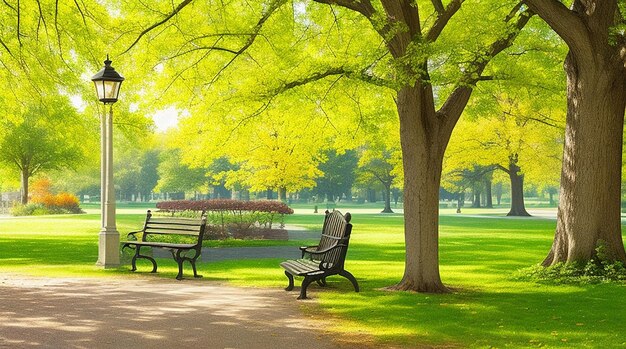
x=234, y=218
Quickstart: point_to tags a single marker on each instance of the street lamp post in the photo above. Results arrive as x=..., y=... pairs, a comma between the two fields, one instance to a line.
x=108, y=83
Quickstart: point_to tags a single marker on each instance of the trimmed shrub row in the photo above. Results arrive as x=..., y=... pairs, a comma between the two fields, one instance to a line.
x=225, y=205
x=234, y=218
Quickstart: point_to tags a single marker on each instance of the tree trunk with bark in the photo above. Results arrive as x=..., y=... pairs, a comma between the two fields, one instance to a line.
x=589, y=201
x=518, y=208
x=24, y=176
x=422, y=149
x=488, y=194
x=498, y=193
x=476, y=198
x=282, y=194
x=387, y=197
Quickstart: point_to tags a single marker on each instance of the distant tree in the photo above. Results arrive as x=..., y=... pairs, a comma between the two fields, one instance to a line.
x=217, y=174
x=176, y=177
x=377, y=165
x=127, y=180
x=339, y=174
x=35, y=144
x=148, y=173
x=520, y=138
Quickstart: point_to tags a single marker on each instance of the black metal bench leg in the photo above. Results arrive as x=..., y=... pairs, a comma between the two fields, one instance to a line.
x=154, y=265
x=193, y=266
x=321, y=282
x=138, y=255
x=180, y=269
x=290, y=277
x=179, y=260
x=133, y=262
x=350, y=277
x=305, y=283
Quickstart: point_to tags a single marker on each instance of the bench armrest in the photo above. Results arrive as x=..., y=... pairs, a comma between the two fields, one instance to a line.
x=307, y=249
x=324, y=251
x=131, y=235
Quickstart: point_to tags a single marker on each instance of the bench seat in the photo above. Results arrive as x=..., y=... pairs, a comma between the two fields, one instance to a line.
x=302, y=267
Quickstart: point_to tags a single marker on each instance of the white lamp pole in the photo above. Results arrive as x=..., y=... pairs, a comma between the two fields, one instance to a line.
x=107, y=82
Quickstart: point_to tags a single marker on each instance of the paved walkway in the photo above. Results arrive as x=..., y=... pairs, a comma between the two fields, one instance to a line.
x=152, y=313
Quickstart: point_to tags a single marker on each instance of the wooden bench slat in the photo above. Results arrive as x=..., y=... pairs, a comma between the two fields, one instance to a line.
x=171, y=232
x=159, y=244
x=192, y=223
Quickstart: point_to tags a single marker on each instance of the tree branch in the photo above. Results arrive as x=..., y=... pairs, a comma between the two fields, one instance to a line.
x=56, y=22
x=365, y=8
x=19, y=39
x=10, y=6
x=41, y=19
x=563, y=21
x=255, y=33
x=334, y=71
x=157, y=24
x=456, y=102
x=6, y=48
x=503, y=168
x=438, y=5
x=443, y=18
x=81, y=12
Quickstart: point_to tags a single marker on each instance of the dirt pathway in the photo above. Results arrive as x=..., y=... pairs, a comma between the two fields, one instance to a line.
x=151, y=313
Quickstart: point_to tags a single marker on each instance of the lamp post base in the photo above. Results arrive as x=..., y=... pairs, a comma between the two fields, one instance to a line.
x=108, y=249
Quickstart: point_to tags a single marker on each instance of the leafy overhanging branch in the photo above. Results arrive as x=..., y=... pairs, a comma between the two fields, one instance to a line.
x=365, y=8
x=455, y=104
x=443, y=17
x=174, y=12
x=275, y=5
x=333, y=71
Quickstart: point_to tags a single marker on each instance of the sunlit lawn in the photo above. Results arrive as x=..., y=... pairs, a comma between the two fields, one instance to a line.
x=479, y=257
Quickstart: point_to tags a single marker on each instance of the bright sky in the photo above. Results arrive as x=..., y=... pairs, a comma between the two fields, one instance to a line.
x=166, y=118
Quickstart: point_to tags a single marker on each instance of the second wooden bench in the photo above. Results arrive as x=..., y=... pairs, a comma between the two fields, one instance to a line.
x=180, y=236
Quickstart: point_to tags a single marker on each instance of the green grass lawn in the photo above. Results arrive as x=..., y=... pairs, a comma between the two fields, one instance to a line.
x=479, y=257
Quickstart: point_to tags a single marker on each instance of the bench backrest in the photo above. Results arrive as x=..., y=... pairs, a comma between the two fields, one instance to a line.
x=192, y=228
x=336, y=231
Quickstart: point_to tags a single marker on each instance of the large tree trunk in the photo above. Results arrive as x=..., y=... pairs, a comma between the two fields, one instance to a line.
x=24, y=175
x=371, y=195
x=422, y=158
x=589, y=201
x=387, y=197
x=488, y=194
x=518, y=208
x=476, y=197
x=498, y=193
x=282, y=194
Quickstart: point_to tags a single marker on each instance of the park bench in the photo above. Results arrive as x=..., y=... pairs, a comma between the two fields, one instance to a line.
x=180, y=236
x=324, y=259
